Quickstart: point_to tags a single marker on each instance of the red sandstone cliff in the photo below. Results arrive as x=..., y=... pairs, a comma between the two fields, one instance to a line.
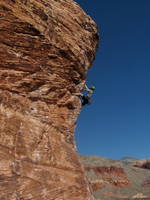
x=46, y=48
x=112, y=175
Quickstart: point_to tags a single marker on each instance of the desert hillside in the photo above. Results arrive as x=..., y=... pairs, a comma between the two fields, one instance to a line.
x=127, y=178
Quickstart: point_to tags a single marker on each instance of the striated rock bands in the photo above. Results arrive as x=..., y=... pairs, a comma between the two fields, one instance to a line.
x=46, y=48
x=123, y=179
x=107, y=175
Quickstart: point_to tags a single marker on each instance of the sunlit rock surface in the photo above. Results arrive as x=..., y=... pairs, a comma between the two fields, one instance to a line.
x=46, y=48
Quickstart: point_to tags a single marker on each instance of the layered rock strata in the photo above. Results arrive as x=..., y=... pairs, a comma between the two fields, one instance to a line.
x=104, y=176
x=128, y=178
x=46, y=48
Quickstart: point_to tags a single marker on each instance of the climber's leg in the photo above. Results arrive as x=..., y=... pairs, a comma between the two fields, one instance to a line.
x=85, y=100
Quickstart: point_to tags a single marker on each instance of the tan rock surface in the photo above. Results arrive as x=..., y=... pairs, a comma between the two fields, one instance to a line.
x=145, y=163
x=46, y=48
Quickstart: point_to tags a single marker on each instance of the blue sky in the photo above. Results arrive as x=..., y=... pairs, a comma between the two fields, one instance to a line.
x=117, y=124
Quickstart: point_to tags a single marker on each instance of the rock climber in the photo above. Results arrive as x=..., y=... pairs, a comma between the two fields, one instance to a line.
x=87, y=93
x=86, y=99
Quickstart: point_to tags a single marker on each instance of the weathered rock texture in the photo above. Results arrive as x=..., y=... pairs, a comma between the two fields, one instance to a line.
x=46, y=48
x=144, y=164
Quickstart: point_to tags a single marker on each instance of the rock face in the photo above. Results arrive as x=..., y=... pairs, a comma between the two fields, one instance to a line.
x=46, y=48
x=120, y=179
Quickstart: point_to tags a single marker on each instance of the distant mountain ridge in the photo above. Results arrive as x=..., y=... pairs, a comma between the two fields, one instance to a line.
x=128, y=178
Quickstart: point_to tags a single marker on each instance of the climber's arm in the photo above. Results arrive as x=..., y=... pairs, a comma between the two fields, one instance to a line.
x=87, y=89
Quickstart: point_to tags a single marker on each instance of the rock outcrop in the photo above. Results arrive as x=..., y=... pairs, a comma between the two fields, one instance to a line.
x=46, y=48
x=144, y=164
